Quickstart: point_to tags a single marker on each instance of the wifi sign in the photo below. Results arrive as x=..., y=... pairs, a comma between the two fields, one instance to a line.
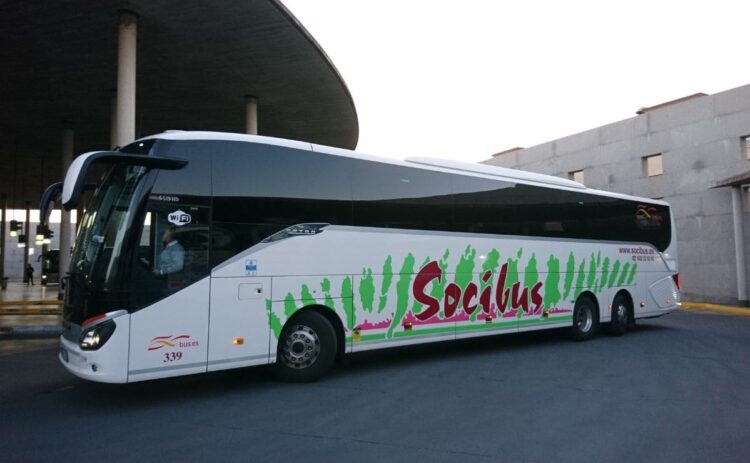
x=179, y=218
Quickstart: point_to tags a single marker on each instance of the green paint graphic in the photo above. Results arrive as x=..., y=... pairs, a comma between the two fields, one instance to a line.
x=367, y=290
x=402, y=292
x=613, y=275
x=348, y=300
x=552, y=284
x=624, y=274
x=307, y=297
x=273, y=320
x=570, y=269
x=613, y=272
x=605, y=275
x=465, y=268
x=491, y=263
x=386, y=286
x=581, y=277
x=512, y=277
x=593, y=265
x=631, y=277
x=325, y=285
x=289, y=306
x=530, y=277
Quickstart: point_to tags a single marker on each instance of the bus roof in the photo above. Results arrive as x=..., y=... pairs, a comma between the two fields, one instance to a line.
x=425, y=163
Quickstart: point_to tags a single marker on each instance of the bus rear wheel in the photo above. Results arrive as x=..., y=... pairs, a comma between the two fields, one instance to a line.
x=307, y=348
x=620, y=316
x=585, y=319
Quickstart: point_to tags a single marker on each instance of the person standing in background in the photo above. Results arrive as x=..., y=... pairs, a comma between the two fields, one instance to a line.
x=29, y=275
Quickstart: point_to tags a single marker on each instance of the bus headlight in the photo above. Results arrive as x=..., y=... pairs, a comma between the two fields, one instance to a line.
x=97, y=336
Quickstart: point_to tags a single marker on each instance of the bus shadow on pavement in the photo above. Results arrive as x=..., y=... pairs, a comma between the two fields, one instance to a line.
x=172, y=390
x=526, y=343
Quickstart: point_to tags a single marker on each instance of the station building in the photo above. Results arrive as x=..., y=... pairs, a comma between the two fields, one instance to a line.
x=82, y=76
x=693, y=153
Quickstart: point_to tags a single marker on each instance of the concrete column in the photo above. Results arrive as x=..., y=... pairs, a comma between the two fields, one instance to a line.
x=126, y=55
x=113, y=120
x=251, y=115
x=3, y=224
x=66, y=160
x=739, y=244
x=29, y=239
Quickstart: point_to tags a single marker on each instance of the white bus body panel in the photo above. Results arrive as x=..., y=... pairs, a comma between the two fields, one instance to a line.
x=367, y=276
x=239, y=333
x=664, y=296
x=170, y=337
x=370, y=285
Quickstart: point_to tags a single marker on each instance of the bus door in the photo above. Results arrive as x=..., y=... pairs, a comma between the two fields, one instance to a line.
x=170, y=290
x=239, y=332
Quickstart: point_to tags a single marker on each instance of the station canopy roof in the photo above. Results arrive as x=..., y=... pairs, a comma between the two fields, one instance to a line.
x=196, y=61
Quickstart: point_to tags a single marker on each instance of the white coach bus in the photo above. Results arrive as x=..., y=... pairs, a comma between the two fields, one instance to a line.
x=207, y=251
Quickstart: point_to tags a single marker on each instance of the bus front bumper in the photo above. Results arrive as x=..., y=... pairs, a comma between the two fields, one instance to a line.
x=108, y=364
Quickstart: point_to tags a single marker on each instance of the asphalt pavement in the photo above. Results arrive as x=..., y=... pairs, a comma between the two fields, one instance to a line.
x=672, y=390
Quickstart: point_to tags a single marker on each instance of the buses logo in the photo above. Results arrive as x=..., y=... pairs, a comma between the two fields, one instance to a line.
x=179, y=218
x=172, y=342
x=647, y=217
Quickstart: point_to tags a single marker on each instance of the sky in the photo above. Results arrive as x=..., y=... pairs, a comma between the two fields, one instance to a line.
x=465, y=79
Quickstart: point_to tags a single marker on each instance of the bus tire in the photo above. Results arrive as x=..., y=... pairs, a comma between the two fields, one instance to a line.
x=620, y=316
x=585, y=319
x=307, y=348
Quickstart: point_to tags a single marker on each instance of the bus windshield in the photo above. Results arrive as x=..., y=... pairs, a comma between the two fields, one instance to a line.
x=99, y=244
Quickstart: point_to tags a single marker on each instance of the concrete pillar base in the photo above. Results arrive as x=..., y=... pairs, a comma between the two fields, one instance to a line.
x=251, y=114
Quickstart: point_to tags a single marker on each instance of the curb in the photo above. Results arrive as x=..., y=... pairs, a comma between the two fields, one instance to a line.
x=30, y=332
x=726, y=309
x=31, y=311
x=33, y=302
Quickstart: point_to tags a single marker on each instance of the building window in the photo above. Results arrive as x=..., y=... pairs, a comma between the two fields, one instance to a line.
x=576, y=176
x=652, y=165
x=746, y=146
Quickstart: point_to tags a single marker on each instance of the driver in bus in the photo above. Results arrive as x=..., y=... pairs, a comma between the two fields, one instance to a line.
x=172, y=257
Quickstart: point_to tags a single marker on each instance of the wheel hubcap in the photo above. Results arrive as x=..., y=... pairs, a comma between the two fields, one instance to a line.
x=584, y=320
x=621, y=313
x=301, y=347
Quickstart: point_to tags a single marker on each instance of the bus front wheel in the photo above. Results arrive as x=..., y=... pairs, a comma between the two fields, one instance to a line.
x=585, y=319
x=307, y=348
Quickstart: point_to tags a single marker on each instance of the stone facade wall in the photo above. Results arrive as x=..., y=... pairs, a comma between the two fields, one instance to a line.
x=701, y=142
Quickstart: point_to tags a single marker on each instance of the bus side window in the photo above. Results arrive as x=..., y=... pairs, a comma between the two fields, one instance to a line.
x=173, y=251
